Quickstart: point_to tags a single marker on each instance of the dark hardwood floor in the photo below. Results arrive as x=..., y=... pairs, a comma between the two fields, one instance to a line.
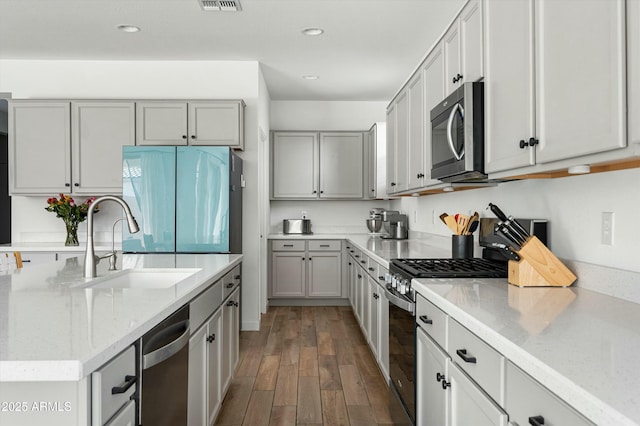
x=307, y=366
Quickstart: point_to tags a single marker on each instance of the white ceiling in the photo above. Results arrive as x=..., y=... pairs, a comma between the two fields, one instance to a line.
x=368, y=50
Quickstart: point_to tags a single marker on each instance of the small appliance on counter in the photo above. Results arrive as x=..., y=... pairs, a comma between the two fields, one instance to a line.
x=296, y=226
x=396, y=225
x=374, y=223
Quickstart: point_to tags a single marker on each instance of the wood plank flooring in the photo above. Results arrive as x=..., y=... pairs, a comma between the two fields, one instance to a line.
x=307, y=366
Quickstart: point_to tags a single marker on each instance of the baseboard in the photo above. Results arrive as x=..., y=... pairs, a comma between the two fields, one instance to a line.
x=308, y=302
x=250, y=326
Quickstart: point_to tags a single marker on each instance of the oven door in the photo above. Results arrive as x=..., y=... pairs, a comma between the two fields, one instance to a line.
x=402, y=332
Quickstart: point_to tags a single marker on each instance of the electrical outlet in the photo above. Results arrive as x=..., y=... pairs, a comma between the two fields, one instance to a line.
x=303, y=213
x=607, y=228
x=415, y=216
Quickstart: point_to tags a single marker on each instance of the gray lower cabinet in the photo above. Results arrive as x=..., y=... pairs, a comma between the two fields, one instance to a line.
x=213, y=348
x=432, y=399
x=306, y=269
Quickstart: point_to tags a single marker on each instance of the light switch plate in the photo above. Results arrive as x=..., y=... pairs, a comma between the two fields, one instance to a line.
x=606, y=237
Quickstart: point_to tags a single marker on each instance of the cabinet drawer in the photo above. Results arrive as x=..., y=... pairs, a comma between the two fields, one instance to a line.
x=287, y=245
x=432, y=320
x=372, y=268
x=118, y=372
x=526, y=398
x=126, y=416
x=231, y=281
x=205, y=304
x=479, y=360
x=362, y=260
x=326, y=245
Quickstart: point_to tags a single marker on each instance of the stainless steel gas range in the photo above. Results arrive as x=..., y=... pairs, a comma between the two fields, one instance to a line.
x=402, y=326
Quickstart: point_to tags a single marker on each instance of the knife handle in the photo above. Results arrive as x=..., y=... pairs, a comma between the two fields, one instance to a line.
x=518, y=227
x=499, y=213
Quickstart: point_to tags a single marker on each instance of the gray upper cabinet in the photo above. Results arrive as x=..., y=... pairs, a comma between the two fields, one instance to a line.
x=99, y=131
x=191, y=122
x=434, y=94
x=633, y=73
x=376, y=145
x=402, y=142
x=294, y=165
x=553, y=116
x=416, y=142
x=342, y=165
x=312, y=165
x=391, y=148
x=39, y=147
x=70, y=147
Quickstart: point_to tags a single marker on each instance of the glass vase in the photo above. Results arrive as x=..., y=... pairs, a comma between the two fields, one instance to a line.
x=72, y=233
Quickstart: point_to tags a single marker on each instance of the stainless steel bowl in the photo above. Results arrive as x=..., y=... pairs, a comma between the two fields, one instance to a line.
x=374, y=225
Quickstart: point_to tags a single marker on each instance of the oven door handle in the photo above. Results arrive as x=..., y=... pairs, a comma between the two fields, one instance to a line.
x=150, y=359
x=399, y=302
x=452, y=148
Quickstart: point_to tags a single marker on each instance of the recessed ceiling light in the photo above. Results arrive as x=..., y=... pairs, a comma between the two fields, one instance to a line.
x=128, y=28
x=310, y=77
x=312, y=31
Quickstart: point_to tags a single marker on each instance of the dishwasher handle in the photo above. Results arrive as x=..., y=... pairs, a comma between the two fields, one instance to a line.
x=167, y=351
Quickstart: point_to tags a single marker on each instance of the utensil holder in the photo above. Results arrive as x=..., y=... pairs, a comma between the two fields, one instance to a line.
x=538, y=267
x=462, y=246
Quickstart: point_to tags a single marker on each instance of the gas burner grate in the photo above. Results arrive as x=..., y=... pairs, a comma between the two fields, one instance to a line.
x=451, y=268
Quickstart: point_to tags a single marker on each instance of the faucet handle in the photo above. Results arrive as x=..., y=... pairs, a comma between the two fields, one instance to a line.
x=112, y=261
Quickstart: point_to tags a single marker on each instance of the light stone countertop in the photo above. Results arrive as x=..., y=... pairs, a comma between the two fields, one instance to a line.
x=53, y=329
x=580, y=344
x=57, y=247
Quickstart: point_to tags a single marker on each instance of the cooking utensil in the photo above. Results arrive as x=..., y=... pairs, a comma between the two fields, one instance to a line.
x=451, y=223
x=462, y=220
x=499, y=213
x=522, y=238
x=519, y=227
x=442, y=217
x=474, y=226
x=506, y=233
x=506, y=251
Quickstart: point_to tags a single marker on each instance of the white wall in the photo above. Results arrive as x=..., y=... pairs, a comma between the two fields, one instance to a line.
x=148, y=80
x=326, y=115
x=572, y=205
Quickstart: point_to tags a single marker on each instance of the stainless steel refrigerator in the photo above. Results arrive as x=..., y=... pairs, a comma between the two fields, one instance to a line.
x=186, y=199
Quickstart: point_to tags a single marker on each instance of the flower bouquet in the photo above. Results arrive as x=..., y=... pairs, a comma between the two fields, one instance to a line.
x=72, y=214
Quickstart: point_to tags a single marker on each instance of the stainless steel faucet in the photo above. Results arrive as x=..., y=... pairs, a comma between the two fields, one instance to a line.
x=90, y=259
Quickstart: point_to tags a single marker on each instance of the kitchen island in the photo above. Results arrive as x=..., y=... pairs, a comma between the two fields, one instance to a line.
x=56, y=328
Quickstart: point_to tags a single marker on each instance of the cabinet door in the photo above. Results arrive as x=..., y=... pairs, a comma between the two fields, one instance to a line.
x=161, y=123
x=451, y=49
x=214, y=348
x=230, y=340
x=288, y=274
x=341, y=165
x=372, y=165
x=383, y=327
x=359, y=290
x=402, y=141
x=509, y=84
x=471, y=57
x=39, y=147
x=416, y=145
x=391, y=149
x=374, y=309
x=126, y=416
x=432, y=401
x=366, y=296
x=216, y=123
x=295, y=166
x=197, y=401
x=100, y=130
x=582, y=111
x=633, y=74
x=434, y=94
x=324, y=275
x=469, y=404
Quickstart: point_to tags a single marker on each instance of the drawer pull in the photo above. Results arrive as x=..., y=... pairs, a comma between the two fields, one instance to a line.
x=357, y=256
x=380, y=277
x=128, y=382
x=425, y=319
x=288, y=245
x=211, y=338
x=462, y=353
x=536, y=420
x=371, y=269
x=445, y=384
x=229, y=285
x=363, y=262
x=325, y=245
x=237, y=277
x=359, y=276
x=439, y=377
x=350, y=264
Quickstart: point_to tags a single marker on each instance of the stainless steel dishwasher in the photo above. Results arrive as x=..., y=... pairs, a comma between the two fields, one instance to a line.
x=164, y=367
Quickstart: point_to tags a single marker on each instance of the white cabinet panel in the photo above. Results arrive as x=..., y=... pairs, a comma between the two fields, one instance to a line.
x=42, y=127
x=126, y=417
x=217, y=123
x=324, y=275
x=161, y=123
x=509, y=84
x=580, y=109
x=391, y=149
x=214, y=368
x=434, y=94
x=432, y=401
x=401, y=141
x=416, y=143
x=341, y=165
x=471, y=33
x=288, y=274
x=633, y=69
x=197, y=402
x=451, y=49
x=295, y=165
x=99, y=131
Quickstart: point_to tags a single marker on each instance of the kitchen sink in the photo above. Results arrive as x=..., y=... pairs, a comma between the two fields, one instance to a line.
x=148, y=278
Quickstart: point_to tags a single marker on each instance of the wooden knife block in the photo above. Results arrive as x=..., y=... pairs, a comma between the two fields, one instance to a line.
x=538, y=267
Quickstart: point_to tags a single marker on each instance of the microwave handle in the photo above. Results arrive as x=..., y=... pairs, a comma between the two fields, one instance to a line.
x=450, y=128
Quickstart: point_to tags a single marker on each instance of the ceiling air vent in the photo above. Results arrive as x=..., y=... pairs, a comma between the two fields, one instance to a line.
x=220, y=5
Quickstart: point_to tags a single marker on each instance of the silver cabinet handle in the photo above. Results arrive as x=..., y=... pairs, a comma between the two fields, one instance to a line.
x=450, y=128
x=168, y=350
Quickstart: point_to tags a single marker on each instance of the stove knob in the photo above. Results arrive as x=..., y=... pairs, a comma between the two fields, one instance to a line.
x=387, y=278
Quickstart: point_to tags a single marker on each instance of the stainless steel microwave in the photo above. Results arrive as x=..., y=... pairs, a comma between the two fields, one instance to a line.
x=457, y=135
